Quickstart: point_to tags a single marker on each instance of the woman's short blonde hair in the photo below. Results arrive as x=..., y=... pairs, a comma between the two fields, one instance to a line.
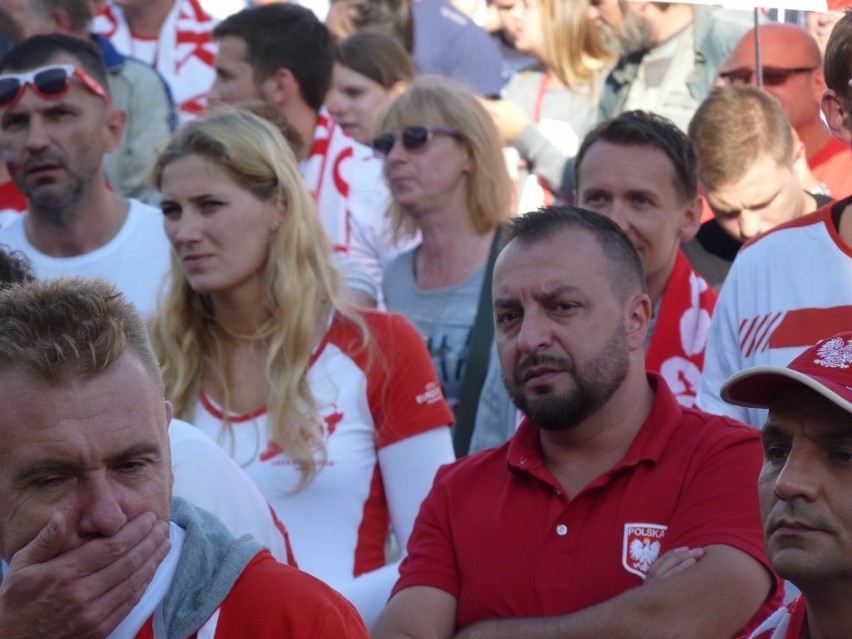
x=433, y=101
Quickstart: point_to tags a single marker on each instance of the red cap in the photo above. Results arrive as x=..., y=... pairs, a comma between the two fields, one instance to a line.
x=825, y=367
x=839, y=5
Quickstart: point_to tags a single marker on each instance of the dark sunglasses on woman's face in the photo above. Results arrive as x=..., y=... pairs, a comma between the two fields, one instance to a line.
x=413, y=138
x=50, y=82
x=772, y=76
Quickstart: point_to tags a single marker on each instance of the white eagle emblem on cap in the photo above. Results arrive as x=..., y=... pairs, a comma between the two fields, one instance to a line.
x=835, y=353
x=641, y=547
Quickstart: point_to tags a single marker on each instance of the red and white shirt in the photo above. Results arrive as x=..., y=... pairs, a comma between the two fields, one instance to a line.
x=184, y=52
x=785, y=623
x=786, y=290
x=371, y=405
x=345, y=180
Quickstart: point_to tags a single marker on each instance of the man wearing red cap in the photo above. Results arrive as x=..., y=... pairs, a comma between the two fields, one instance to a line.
x=804, y=484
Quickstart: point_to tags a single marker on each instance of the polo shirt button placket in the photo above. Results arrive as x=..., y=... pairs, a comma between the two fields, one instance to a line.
x=561, y=530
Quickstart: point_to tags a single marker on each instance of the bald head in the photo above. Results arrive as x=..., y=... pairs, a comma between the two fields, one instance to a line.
x=785, y=47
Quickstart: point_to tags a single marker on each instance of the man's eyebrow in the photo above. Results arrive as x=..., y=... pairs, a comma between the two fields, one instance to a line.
x=43, y=467
x=507, y=302
x=40, y=468
x=139, y=450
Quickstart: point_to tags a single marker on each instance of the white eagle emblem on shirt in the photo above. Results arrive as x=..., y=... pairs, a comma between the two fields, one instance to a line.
x=641, y=547
x=644, y=553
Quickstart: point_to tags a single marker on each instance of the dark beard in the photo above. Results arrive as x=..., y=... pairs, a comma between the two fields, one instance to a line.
x=593, y=386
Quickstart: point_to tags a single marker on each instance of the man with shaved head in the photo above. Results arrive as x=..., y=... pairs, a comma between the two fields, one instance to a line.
x=792, y=72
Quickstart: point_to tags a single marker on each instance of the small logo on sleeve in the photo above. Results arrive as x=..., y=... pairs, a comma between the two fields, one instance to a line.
x=431, y=395
x=641, y=547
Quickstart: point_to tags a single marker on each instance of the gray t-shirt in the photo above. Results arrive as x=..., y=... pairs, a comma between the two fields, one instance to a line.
x=444, y=317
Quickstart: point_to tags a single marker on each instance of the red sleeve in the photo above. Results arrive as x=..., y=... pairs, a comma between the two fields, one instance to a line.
x=431, y=559
x=271, y=600
x=719, y=502
x=403, y=391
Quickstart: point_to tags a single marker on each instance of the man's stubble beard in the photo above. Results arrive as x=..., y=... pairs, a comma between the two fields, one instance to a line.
x=593, y=386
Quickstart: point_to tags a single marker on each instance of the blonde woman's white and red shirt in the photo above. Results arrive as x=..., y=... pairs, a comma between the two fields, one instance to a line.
x=385, y=436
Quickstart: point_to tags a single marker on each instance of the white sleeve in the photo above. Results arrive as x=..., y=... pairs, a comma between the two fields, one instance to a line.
x=408, y=470
x=721, y=357
x=207, y=477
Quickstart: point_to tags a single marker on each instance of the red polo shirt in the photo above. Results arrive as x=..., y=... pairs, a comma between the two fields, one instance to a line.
x=497, y=532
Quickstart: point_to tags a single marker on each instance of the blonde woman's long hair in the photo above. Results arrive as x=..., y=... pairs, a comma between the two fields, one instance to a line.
x=573, y=44
x=302, y=285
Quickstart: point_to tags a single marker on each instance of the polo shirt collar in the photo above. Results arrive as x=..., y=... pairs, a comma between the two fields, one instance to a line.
x=649, y=445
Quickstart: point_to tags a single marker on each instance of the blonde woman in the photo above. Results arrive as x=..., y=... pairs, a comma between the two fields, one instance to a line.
x=335, y=413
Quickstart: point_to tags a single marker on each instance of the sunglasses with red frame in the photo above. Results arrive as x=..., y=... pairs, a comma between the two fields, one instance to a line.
x=50, y=82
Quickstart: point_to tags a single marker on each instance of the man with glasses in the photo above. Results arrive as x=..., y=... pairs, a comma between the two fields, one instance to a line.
x=791, y=286
x=134, y=87
x=792, y=72
x=56, y=125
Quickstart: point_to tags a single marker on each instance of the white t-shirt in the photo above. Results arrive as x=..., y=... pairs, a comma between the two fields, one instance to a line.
x=136, y=260
x=208, y=478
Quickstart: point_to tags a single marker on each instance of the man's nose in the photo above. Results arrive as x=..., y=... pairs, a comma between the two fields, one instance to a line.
x=102, y=514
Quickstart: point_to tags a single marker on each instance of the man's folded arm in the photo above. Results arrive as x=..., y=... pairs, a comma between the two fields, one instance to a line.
x=714, y=598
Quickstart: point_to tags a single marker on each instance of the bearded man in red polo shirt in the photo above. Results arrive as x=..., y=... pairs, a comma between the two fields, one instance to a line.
x=554, y=533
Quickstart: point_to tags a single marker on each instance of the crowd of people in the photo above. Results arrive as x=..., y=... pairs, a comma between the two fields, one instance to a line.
x=424, y=319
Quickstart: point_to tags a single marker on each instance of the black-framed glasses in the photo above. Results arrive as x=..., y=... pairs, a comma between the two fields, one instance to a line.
x=413, y=138
x=772, y=76
x=50, y=82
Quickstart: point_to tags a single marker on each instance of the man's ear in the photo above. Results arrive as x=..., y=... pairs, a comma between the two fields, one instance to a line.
x=280, y=88
x=638, y=315
x=114, y=122
x=834, y=110
x=691, y=219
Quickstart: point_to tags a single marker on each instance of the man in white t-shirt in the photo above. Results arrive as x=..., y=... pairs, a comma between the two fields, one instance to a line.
x=283, y=55
x=56, y=125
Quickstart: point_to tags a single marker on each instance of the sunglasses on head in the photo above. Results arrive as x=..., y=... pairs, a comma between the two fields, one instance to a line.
x=413, y=138
x=772, y=76
x=50, y=82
